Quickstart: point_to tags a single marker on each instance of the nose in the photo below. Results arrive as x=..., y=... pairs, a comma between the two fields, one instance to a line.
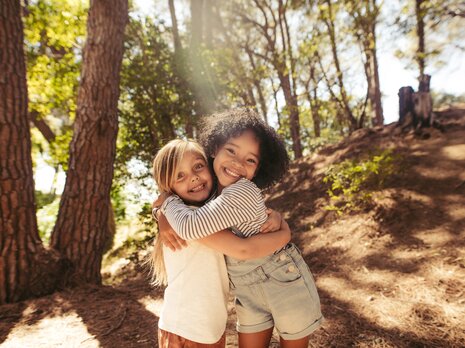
x=195, y=177
x=238, y=163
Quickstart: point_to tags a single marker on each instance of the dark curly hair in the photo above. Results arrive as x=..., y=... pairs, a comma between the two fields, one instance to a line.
x=218, y=128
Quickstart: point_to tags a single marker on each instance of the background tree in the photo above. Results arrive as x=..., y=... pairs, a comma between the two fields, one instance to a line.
x=82, y=224
x=26, y=269
x=365, y=17
x=434, y=32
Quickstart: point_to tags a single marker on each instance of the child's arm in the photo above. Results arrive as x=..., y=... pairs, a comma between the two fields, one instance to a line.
x=238, y=203
x=167, y=235
x=259, y=245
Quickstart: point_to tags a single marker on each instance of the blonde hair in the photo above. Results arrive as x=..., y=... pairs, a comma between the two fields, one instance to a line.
x=164, y=169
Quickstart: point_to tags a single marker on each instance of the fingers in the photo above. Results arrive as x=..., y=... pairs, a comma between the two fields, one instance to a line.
x=270, y=226
x=266, y=227
x=173, y=241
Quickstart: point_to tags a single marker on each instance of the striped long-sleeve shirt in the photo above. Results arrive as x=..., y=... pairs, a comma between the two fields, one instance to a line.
x=240, y=207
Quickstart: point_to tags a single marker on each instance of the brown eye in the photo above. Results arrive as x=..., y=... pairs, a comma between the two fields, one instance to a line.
x=252, y=161
x=199, y=166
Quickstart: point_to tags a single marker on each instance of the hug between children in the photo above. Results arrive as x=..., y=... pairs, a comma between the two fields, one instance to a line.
x=211, y=197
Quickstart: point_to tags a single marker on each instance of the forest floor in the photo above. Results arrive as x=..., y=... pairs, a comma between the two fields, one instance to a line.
x=392, y=275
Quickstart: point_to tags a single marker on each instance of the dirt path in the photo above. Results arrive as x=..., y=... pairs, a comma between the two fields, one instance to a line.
x=393, y=276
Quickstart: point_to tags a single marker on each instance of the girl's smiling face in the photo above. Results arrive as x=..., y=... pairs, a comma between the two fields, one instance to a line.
x=238, y=158
x=192, y=181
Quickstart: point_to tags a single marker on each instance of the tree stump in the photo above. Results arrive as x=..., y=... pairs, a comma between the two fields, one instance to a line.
x=405, y=104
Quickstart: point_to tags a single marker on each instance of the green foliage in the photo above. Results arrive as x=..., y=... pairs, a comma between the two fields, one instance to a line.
x=118, y=201
x=145, y=217
x=43, y=199
x=353, y=181
x=46, y=216
x=155, y=103
x=59, y=149
x=54, y=33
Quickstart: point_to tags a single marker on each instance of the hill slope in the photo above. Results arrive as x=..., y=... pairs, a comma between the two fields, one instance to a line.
x=390, y=276
x=393, y=275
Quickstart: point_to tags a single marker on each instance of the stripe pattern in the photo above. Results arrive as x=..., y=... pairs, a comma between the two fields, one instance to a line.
x=240, y=207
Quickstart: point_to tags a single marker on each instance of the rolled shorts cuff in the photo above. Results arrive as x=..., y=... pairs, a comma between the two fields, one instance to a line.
x=254, y=328
x=304, y=333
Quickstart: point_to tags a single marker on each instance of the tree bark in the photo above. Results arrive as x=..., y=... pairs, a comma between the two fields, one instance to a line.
x=26, y=269
x=82, y=224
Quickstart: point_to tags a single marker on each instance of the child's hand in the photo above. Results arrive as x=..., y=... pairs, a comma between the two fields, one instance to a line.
x=157, y=203
x=273, y=223
x=168, y=237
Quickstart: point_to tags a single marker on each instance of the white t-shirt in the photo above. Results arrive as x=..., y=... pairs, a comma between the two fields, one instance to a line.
x=195, y=300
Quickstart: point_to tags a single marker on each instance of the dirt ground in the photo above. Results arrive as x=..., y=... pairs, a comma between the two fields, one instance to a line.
x=390, y=276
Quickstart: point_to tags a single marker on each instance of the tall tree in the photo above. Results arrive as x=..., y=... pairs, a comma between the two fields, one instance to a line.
x=365, y=16
x=274, y=28
x=328, y=17
x=26, y=269
x=81, y=228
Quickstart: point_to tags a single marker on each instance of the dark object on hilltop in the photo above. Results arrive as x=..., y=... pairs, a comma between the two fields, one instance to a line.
x=416, y=108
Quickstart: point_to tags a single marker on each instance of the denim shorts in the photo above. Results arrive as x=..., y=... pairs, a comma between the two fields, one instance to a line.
x=276, y=290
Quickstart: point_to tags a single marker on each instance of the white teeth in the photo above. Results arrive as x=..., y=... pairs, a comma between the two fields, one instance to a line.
x=198, y=188
x=229, y=172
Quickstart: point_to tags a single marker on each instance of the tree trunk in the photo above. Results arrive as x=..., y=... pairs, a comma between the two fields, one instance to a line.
x=365, y=16
x=257, y=85
x=82, y=224
x=174, y=25
x=421, y=54
x=314, y=102
x=293, y=109
x=372, y=75
x=26, y=269
x=329, y=21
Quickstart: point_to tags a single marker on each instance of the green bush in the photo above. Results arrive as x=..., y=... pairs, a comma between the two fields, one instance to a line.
x=353, y=181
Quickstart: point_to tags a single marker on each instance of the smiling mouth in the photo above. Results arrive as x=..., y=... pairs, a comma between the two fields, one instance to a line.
x=197, y=188
x=232, y=173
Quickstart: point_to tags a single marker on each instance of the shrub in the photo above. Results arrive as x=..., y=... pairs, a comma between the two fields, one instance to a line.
x=353, y=181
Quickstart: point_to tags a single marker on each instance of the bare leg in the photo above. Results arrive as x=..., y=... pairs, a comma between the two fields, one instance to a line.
x=300, y=343
x=255, y=340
